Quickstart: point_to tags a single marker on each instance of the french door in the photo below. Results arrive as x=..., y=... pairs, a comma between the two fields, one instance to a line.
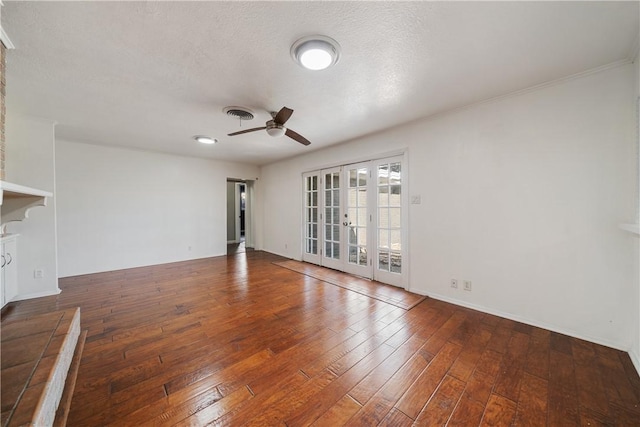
x=353, y=219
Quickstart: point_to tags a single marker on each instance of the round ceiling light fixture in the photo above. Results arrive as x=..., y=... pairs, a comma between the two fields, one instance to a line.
x=316, y=52
x=205, y=139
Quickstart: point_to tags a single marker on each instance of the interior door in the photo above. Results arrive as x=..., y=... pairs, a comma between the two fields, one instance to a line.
x=356, y=220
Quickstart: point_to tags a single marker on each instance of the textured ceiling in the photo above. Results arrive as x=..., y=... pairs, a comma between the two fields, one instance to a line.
x=150, y=75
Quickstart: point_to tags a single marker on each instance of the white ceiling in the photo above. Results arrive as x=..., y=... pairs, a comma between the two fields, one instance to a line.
x=150, y=75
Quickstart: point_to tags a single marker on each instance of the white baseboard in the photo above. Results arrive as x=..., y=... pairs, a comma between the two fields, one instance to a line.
x=22, y=297
x=535, y=323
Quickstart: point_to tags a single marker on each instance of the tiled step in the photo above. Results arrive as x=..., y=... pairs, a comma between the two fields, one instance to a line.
x=36, y=354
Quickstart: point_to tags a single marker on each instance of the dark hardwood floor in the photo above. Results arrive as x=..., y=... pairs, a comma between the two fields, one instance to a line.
x=237, y=340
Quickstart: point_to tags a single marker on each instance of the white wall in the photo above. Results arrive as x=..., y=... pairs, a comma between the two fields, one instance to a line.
x=120, y=208
x=31, y=162
x=522, y=196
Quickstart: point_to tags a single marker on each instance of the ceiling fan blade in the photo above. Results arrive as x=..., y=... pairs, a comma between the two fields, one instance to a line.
x=283, y=115
x=296, y=136
x=246, y=131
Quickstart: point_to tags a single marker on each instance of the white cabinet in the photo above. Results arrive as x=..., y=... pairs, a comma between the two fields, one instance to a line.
x=8, y=261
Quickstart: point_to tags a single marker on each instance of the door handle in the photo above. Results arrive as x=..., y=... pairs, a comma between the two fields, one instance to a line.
x=346, y=224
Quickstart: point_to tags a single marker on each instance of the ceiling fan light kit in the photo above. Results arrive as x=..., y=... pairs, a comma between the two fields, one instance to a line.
x=316, y=52
x=276, y=130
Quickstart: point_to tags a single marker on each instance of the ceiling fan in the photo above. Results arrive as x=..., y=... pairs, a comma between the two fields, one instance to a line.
x=275, y=126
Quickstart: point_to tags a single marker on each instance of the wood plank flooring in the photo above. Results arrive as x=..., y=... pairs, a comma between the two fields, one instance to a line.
x=385, y=293
x=237, y=340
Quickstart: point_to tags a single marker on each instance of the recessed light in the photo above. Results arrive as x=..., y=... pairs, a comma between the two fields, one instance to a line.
x=316, y=52
x=205, y=139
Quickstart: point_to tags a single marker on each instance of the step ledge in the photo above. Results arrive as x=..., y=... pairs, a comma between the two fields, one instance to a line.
x=38, y=403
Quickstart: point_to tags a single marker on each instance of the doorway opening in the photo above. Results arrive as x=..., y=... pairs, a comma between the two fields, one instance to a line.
x=239, y=216
x=355, y=219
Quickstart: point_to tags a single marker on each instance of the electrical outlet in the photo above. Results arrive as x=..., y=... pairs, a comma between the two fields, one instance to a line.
x=466, y=284
x=38, y=274
x=454, y=283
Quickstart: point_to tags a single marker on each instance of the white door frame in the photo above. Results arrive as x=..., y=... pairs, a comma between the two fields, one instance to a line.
x=396, y=279
x=236, y=210
x=378, y=274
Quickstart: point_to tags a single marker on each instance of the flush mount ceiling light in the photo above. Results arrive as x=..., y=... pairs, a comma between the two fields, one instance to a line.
x=205, y=139
x=316, y=52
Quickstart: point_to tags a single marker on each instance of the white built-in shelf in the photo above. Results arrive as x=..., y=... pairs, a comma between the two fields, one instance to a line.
x=631, y=228
x=16, y=201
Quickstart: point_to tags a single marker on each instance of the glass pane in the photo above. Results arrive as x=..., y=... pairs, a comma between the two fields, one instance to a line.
x=336, y=180
x=353, y=254
x=336, y=232
x=362, y=177
x=362, y=236
x=327, y=249
x=353, y=194
x=395, y=177
x=362, y=217
x=395, y=237
x=353, y=216
x=363, y=256
x=327, y=181
x=314, y=247
x=353, y=236
x=336, y=250
x=353, y=178
x=335, y=216
x=395, y=198
x=383, y=174
x=314, y=183
x=327, y=232
x=314, y=198
x=362, y=197
x=327, y=215
x=327, y=198
x=383, y=261
x=396, y=262
x=395, y=217
x=314, y=214
x=383, y=239
x=383, y=217
x=314, y=231
x=336, y=197
x=383, y=196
